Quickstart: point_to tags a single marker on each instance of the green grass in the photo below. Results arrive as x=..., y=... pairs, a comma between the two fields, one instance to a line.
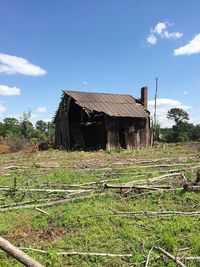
x=82, y=225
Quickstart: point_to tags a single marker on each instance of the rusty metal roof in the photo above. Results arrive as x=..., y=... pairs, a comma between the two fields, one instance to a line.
x=114, y=105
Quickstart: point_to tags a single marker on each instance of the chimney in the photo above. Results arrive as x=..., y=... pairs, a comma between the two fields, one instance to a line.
x=144, y=91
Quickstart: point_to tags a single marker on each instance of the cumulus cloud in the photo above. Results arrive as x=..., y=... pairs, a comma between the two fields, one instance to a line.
x=151, y=39
x=160, y=27
x=193, y=47
x=41, y=109
x=9, y=91
x=13, y=65
x=160, y=31
x=163, y=106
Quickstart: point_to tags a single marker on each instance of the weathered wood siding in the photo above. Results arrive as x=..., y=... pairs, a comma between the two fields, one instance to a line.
x=62, y=137
x=135, y=133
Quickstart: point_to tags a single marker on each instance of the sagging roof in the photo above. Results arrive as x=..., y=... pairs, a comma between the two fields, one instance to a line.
x=114, y=105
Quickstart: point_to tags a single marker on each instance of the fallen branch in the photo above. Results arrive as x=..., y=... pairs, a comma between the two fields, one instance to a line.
x=34, y=162
x=46, y=166
x=148, y=257
x=42, y=211
x=73, y=253
x=162, y=177
x=28, y=202
x=46, y=205
x=170, y=256
x=18, y=254
x=15, y=168
x=106, y=186
x=43, y=190
x=150, y=213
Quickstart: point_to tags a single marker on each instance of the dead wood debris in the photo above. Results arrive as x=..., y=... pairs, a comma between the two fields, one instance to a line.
x=18, y=254
x=149, y=213
x=74, y=253
x=157, y=249
x=48, y=204
x=170, y=256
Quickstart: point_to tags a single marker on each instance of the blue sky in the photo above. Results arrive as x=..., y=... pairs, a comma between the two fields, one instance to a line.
x=114, y=46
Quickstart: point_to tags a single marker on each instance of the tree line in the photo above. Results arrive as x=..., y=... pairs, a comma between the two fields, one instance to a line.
x=181, y=131
x=19, y=134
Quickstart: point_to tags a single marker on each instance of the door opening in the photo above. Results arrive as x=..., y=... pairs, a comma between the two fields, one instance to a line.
x=122, y=138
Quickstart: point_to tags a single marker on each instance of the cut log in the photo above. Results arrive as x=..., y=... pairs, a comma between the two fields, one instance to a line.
x=18, y=254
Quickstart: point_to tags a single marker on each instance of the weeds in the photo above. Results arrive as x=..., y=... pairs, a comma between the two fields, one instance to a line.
x=75, y=226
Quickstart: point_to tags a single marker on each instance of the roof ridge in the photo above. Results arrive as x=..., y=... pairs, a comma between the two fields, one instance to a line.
x=84, y=92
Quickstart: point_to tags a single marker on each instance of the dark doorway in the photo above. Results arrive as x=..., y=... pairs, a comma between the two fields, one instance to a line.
x=122, y=137
x=94, y=136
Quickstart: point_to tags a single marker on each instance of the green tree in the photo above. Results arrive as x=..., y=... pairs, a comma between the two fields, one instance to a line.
x=41, y=126
x=178, y=115
x=10, y=126
x=195, y=134
x=26, y=127
x=44, y=131
x=181, y=131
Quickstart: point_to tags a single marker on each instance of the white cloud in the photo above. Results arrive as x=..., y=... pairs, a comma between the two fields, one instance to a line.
x=41, y=109
x=163, y=106
x=9, y=91
x=159, y=31
x=151, y=39
x=2, y=108
x=185, y=92
x=13, y=65
x=173, y=35
x=160, y=27
x=85, y=82
x=193, y=47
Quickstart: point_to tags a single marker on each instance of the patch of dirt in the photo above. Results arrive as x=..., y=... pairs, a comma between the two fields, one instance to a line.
x=22, y=236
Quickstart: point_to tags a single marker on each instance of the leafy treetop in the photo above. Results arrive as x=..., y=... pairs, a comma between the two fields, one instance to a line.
x=178, y=115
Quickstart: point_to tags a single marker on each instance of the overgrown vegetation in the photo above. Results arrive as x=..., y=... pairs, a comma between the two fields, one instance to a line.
x=91, y=224
x=22, y=134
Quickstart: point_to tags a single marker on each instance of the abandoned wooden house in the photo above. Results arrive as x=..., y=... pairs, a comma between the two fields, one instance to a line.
x=102, y=121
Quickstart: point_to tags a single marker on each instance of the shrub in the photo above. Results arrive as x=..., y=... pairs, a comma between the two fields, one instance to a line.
x=16, y=144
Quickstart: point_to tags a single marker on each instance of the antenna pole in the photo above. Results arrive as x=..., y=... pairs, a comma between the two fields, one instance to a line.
x=155, y=110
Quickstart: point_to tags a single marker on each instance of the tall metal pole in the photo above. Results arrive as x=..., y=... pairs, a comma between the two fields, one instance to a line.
x=155, y=110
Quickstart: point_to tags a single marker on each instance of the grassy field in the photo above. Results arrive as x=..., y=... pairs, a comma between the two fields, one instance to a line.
x=88, y=220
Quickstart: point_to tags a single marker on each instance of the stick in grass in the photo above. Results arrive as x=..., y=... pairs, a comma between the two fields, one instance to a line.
x=170, y=256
